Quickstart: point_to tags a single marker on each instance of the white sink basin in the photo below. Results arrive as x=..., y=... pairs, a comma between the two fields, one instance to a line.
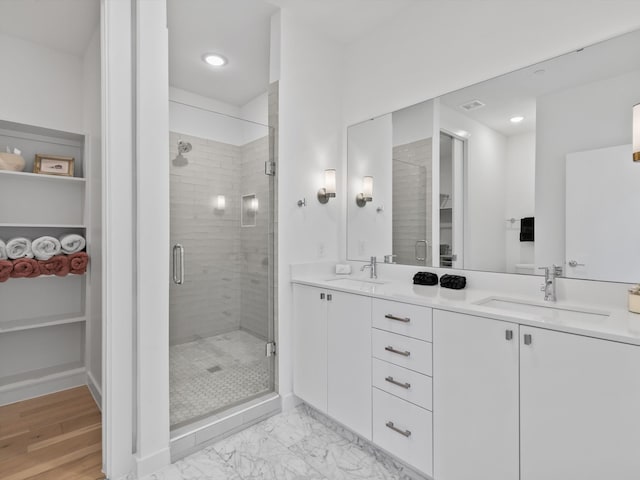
x=358, y=284
x=543, y=311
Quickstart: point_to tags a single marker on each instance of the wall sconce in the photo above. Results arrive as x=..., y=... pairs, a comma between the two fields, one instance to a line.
x=253, y=205
x=329, y=189
x=636, y=133
x=367, y=192
x=220, y=203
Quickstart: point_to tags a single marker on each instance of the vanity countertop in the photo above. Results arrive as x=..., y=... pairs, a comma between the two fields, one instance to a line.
x=615, y=324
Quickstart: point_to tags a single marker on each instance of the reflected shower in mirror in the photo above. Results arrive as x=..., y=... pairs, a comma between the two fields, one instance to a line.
x=534, y=169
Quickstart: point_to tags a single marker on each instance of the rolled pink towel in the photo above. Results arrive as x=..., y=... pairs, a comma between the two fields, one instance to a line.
x=57, y=265
x=25, y=268
x=6, y=267
x=78, y=263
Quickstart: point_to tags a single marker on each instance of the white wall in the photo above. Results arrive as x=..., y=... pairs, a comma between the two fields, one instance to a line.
x=484, y=226
x=92, y=117
x=566, y=123
x=310, y=141
x=413, y=123
x=520, y=196
x=369, y=149
x=436, y=47
x=40, y=86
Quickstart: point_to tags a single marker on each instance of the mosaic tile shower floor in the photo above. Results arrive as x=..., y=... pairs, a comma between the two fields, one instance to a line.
x=212, y=373
x=288, y=446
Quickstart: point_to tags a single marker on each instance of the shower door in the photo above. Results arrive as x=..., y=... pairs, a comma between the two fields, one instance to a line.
x=221, y=295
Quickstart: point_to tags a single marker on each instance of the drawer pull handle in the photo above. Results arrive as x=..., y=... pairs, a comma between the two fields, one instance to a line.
x=405, y=433
x=395, y=382
x=399, y=319
x=393, y=350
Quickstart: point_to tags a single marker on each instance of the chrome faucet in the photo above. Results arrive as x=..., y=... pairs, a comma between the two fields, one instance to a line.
x=549, y=286
x=373, y=266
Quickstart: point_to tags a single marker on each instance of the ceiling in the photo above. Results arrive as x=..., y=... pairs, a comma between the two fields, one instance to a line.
x=515, y=93
x=64, y=25
x=240, y=30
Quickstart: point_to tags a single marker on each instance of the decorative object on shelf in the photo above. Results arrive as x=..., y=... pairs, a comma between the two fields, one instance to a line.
x=634, y=299
x=53, y=165
x=72, y=243
x=19, y=247
x=13, y=161
x=57, y=265
x=78, y=263
x=425, y=278
x=44, y=248
x=25, y=268
x=6, y=267
x=456, y=282
x=329, y=189
x=3, y=250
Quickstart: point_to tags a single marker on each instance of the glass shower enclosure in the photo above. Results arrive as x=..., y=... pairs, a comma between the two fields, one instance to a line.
x=221, y=294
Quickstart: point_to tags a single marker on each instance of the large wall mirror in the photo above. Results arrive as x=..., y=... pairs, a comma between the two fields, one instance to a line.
x=527, y=169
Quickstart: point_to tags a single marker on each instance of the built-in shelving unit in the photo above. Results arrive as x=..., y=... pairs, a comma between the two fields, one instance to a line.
x=43, y=320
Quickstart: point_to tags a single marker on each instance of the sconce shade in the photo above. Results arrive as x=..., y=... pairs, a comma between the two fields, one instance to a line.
x=254, y=205
x=220, y=202
x=367, y=192
x=636, y=133
x=329, y=189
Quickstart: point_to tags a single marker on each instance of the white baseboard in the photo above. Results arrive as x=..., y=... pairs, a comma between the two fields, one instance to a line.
x=289, y=402
x=152, y=463
x=94, y=388
x=43, y=386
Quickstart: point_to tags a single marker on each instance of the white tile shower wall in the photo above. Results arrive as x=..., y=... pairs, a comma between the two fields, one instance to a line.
x=208, y=303
x=411, y=204
x=254, y=252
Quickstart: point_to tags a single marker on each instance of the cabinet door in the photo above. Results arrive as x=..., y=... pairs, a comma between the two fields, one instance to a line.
x=349, y=378
x=475, y=389
x=580, y=407
x=310, y=346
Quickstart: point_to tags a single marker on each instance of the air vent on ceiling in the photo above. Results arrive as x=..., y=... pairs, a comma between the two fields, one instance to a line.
x=472, y=105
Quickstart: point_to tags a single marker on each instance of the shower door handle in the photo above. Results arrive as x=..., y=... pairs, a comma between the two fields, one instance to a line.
x=178, y=264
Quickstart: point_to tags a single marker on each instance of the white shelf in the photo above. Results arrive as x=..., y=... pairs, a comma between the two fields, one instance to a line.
x=29, y=323
x=39, y=225
x=10, y=173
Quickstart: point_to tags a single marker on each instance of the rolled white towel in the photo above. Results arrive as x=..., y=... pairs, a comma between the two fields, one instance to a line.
x=72, y=243
x=3, y=250
x=19, y=247
x=45, y=247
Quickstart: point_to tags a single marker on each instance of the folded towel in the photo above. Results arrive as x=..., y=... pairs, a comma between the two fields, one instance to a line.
x=6, y=267
x=19, y=247
x=3, y=250
x=25, y=268
x=78, y=263
x=45, y=247
x=57, y=265
x=72, y=243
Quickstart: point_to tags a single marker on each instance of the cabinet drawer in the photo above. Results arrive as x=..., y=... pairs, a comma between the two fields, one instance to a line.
x=401, y=382
x=400, y=350
x=404, y=430
x=403, y=318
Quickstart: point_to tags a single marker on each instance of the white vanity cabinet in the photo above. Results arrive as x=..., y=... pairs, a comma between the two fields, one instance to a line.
x=475, y=387
x=579, y=407
x=513, y=401
x=332, y=354
x=402, y=386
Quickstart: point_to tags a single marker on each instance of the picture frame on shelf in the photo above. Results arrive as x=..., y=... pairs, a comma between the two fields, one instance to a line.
x=53, y=165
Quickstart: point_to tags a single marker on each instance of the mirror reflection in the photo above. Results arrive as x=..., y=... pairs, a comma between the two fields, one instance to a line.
x=528, y=169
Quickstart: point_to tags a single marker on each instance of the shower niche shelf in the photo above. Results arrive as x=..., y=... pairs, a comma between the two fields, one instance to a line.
x=249, y=210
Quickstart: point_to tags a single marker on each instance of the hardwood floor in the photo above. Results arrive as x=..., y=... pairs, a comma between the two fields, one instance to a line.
x=54, y=437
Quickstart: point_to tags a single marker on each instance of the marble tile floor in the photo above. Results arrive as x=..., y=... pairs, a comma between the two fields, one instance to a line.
x=288, y=446
x=212, y=373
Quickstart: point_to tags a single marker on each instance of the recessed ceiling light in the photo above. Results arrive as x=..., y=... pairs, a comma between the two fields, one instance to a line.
x=463, y=133
x=215, y=59
x=516, y=119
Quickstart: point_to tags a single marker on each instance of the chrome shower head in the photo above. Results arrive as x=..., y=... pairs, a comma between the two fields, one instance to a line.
x=183, y=147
